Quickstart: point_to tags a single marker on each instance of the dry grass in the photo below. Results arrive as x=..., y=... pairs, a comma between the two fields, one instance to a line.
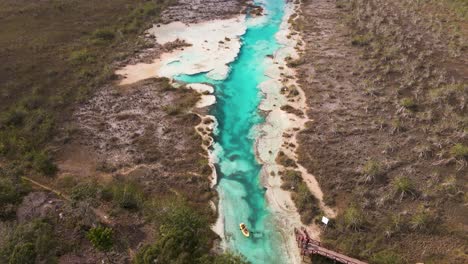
x=396, y=98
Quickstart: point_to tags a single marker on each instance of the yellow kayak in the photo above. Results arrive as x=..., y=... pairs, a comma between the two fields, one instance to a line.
x=244, y=230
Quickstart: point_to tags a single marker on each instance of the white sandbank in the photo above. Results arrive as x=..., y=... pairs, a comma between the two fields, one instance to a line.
x=205, y=91
x=271, y=140
x=214, y=44
x=201, y=87
x=269, y=143
x=205, y=129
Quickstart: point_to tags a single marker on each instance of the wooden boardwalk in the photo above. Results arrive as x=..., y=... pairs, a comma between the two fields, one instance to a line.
x=309, y=246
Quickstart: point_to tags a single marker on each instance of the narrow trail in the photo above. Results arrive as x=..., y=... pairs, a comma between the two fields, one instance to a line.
x=103, y=217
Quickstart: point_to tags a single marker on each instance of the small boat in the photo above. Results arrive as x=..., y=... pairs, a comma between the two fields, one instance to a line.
x=244, y=230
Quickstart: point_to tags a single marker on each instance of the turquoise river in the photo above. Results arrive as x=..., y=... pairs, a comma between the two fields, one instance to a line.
x=242, y=197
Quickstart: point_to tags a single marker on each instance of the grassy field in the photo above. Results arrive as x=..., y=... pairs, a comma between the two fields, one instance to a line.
x=54, y=55
x=387, y=89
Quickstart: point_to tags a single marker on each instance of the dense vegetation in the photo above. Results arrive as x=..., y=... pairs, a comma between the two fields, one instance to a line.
x=306, y=203
x=30, y=242
x=182, y=231
x=184, y=237
x=12, y=190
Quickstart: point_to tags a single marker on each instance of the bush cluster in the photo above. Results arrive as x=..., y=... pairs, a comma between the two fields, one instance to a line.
x=306, y=203
x=183, y=236
x=30, y=243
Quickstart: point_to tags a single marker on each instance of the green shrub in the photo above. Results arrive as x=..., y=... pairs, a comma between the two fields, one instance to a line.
x=132, y=27
x=82, y=57
x=103, y=35
x=225, y=258
x=318, y=259
x=371, y=170
x=182, y=235
x=340, y=4
x=42, y=163
x=126, y=195
x=403, y=186
x=459, y=151
x=361, y=40
x=14, y=117
x=422, y=221
x=101, y=238
x=396, y=224
x=386, y=257
x=39, y=127
x=306, y=203
x=11, y=193
x=295, y=63
x=353, y=218
x=23, y=254
x=291, y=180
x=149, y=9
x=67, y=182
x=303, y=197
x=147, y=254
x=31, y=102
x=139, y=15
x=172, y=110
x=397, y=125
x=408, y=103
x=33, y=242
x=85, y=191
x=8, y=192
x=166, y=85
x=450, y=185
x=450, y=94
x=284, y=160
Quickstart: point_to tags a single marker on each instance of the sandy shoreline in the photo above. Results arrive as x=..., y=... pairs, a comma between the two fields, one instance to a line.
x=270, y=142
x=297, y=123
x=210, y=47
x=272, y=138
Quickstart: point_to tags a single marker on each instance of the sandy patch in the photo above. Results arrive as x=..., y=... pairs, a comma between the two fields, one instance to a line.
x=214, y=44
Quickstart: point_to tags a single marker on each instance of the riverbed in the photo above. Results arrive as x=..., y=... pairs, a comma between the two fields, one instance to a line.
x=241, y=59
x=242, y=196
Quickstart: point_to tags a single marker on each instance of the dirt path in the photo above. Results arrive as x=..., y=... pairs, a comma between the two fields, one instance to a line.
x=103, y=217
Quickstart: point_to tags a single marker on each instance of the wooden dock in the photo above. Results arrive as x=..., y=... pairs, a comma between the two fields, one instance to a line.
x=309, y=246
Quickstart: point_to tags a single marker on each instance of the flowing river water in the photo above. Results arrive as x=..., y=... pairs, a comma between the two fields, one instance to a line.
x=242, y=197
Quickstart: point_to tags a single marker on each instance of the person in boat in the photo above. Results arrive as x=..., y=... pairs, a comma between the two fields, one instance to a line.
x=244, y=229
